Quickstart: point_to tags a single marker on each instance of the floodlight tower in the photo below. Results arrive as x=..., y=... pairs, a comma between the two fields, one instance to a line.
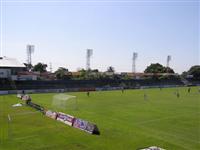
x=89, y=53
x=135, y=55
x=30, y=51
x=168, y=60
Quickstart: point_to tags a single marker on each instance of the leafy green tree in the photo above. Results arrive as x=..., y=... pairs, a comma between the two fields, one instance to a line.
x=83, y=73
x=95, y=71
x=40, y=67
x=195, y=71
x=158, y=68
x=184, y=74
x=94, y=74
x=126, y=77
x=111, y=69
x=155, y=68
x=63, y=73
x=169, y=70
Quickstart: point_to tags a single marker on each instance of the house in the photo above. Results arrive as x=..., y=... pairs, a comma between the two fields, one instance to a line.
x=9, y=67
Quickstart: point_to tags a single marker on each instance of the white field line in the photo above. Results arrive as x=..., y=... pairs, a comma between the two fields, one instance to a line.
x=165, y=118
x=25, y=137
x=167, y=141
x=165, y=133
x=25, y=113
x=9, y=118
x=30, y=136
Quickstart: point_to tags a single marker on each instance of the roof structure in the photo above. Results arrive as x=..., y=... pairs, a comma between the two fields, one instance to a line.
x=10, y=62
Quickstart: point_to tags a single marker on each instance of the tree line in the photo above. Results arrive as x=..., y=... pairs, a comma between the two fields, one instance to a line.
x=155, y=68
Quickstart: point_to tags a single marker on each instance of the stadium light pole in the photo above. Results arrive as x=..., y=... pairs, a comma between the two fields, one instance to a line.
x=89, y=53
x=135, y=55
x=168, y=60
x=30, y=51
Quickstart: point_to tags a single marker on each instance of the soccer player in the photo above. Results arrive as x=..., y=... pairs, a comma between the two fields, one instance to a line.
x=189, y=89
x=160, y=88
x=88, y=93
x=145, y=96
x=177, y=94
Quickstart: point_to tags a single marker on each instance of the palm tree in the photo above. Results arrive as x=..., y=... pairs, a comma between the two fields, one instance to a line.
x=111, y=69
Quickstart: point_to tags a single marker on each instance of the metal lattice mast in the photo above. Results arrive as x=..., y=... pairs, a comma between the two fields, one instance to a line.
x=168, y=60
x=89, y=53
x=135, y=55
x=30, y=51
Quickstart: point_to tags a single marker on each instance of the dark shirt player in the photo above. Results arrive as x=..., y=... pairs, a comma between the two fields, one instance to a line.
x=88, y=93
x=177, y=94
x=189, y=89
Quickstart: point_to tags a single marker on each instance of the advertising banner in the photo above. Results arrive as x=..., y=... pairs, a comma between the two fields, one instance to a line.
x=86, y=126
x=90, y=127
x=80, y=124
x=51, y=114
x=65, y=118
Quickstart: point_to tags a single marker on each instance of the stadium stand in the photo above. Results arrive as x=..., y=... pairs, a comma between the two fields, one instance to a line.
x=88, y=84
x=194, y=81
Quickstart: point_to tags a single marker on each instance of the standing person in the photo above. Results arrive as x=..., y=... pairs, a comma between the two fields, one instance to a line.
x=160, y=88
x=122, y=90
x=189, y=89
x=88, y=93
x=145, y=96
x=177, y=94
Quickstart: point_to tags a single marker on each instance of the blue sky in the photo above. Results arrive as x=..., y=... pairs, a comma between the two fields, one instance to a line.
x=62, y=31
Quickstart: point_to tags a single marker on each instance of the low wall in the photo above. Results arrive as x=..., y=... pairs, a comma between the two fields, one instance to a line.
x=79, y=89
x=3, y=92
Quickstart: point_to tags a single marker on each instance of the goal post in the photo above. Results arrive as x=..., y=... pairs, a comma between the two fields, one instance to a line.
x=62, y=102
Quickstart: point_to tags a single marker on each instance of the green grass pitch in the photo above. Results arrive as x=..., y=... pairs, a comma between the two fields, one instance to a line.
x=127, y=121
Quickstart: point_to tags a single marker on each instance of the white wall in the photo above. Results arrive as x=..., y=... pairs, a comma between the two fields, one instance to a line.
x=5, y=73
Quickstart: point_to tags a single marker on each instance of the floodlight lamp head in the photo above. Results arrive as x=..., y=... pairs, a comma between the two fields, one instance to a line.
x=30, y=48
x=89, y=52
x=135, y=55
x=88, y=55
x=169, y=58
